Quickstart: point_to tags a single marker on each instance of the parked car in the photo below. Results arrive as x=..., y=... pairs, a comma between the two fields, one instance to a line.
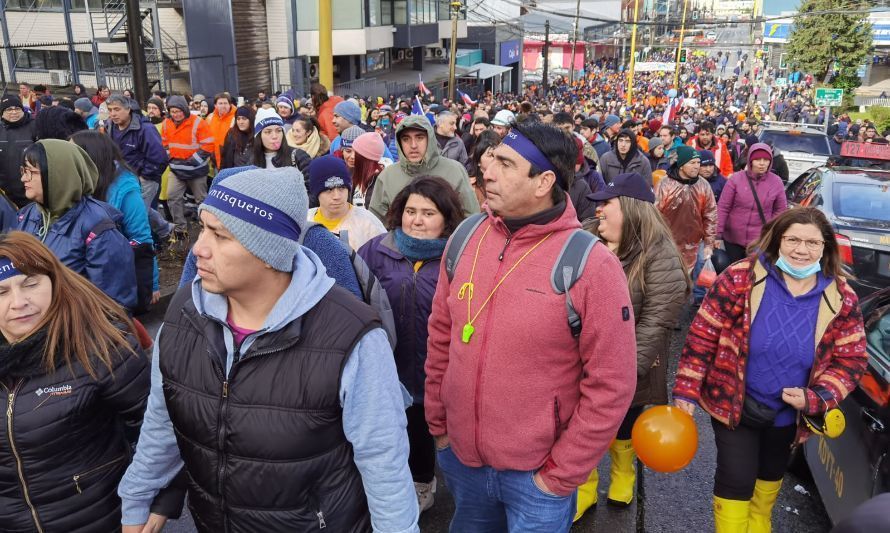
x=855, y=466
x=857, y=203
x=803, y=146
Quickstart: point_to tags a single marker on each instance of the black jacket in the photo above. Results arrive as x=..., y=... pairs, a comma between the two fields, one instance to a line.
x=68, y=440
x=14, y=139
x=264, y=446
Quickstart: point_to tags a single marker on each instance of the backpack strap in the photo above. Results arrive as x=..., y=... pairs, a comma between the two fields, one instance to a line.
x=459, y=240
x=568, y=268
x=344, y=238
x=100, y=228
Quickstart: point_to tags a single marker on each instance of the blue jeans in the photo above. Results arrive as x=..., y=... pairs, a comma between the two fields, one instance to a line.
x=489, y=500
x=698, y=293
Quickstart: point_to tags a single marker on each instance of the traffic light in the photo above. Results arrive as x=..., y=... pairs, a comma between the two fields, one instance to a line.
x=683, y=55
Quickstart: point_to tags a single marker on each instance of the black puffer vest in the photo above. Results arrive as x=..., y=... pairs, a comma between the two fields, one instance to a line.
x=264, y=448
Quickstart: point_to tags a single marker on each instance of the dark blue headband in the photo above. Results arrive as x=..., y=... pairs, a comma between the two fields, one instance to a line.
x=7, y=269
x=253, y=211
x=529, y=152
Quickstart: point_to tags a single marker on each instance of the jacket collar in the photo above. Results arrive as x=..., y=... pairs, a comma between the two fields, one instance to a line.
x=567, y=221
x=388, y=247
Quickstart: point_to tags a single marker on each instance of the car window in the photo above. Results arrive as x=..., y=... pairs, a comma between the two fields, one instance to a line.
x=877, y=335
x=806, y=188
x=862, y=200
x=808, y=143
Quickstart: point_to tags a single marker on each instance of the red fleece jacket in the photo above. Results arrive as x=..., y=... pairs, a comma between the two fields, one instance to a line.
x=524, y=394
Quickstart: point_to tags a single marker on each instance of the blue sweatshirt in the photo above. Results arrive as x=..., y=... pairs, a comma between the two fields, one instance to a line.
x=782, y=346
x=125, y=195
x=372, y=398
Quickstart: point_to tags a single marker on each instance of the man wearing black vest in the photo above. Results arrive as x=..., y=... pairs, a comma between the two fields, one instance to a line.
x=276, y=389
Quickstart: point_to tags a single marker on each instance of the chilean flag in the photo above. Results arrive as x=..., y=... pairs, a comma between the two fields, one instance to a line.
x=466, y=98
x=670, y=112
x=422, y=86
x=417, y=107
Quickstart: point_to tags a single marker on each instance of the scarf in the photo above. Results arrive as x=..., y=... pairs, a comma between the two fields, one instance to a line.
x=22, y=359
x=419, y=249
x=544, y=217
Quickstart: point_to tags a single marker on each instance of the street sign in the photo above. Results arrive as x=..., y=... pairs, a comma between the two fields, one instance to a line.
x=781, y=82
x=829, y=97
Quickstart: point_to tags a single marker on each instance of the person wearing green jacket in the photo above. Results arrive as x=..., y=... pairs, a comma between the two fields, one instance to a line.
x=419, y=156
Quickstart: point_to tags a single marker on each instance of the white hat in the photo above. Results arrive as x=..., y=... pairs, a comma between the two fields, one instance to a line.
x=504, y=117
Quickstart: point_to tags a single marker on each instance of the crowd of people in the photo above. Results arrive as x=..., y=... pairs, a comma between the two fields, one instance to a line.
x=326, y=352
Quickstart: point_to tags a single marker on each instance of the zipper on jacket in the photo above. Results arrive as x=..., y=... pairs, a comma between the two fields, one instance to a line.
x=506, y=243
x=321, y=521
x=77, y=477
x=18, y=459
x=555, y=418
x=221, y=439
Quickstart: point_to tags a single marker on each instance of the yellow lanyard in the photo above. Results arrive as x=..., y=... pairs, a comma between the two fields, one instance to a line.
x=466, y=290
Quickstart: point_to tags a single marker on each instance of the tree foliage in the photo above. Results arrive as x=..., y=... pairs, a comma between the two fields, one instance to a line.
x=839, y=42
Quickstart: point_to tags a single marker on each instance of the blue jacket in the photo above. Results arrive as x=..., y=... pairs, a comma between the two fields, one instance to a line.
x=105, y=259
x=7, y=214
x=373, y=405
x=141, y=146
x=717, y=182
x=411, y=298
x=125, y=195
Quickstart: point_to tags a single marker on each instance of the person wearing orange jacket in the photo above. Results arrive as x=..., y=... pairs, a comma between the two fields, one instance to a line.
x=706, y=140
x=220, y=122
x=190, y=145
x=324, y=109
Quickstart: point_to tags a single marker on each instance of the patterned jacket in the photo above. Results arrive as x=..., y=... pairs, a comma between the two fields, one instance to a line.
x=712, y=366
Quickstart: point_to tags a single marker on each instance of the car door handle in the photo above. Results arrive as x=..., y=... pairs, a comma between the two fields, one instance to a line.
x=874, y=423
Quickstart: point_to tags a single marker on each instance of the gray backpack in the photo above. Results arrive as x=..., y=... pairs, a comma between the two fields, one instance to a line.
x=566, y=270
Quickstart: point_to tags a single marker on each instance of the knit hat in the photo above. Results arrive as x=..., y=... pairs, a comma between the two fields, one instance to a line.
x=10, y=101
x=707, y=157
x=654, y=125
x=158, y=102
x=654, y=143
x=751, y=140
x=83, y=104
x=370, y=146
x=244, y=112
x=284, y=100
x=349, y=111
x=263, y=209
x=349, y=136
x=266, y=118
x=761, y=151
x=610, y=121
x=178, y=102
x=328, y=172
x=684, y=154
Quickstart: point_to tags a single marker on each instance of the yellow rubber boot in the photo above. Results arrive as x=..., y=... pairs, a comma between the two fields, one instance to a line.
x=731, y=516
x=761, y=513
x=587, y=495
x=623, y=473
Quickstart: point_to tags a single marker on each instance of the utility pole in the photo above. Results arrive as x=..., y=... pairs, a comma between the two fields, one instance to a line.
x=72, y=54
x=325, y=45
x=680, y=47
x=136, y=49
x=633, y=54
x=455, y=10
x=574, y=42
x=544, y=80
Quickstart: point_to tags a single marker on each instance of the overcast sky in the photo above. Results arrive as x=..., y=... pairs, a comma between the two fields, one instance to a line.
x=774, y=7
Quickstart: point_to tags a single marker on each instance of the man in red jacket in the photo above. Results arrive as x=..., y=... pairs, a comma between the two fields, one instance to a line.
x=522, y=410
x=706, y=140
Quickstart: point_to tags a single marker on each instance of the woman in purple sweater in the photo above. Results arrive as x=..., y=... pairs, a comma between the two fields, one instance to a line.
x=406, y=262
x=739, y=219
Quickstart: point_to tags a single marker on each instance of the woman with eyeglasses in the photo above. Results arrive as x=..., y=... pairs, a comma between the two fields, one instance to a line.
x=751, y=198
x=779, y=336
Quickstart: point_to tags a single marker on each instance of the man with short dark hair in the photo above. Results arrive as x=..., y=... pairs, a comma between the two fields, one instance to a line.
x=706, y=140
x=531, y=408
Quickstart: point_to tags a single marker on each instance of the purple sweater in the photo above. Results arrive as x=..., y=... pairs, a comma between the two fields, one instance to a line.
x=738, y=221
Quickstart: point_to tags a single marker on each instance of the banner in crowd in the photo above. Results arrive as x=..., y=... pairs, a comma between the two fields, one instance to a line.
x=653, y=66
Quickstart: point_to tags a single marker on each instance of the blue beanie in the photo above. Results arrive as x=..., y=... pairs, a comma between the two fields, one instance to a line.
x=284, y=100
x=264, y=119
x=350, y=111
x=328, y=172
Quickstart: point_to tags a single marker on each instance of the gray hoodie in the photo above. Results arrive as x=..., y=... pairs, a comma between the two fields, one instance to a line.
x=372, y=398
x=395, y=177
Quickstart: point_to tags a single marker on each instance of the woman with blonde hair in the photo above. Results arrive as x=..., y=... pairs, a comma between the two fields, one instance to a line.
x=75, y=384
x=633, y=228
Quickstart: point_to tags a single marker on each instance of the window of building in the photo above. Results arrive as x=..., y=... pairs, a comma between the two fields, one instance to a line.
x=58, y=59
x=347, y=15
x=33, y=5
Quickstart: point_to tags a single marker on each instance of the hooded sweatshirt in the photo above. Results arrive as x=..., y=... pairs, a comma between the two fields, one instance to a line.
x=372, y=399
x=80, y=230
x=394, y=178
x=612, y=164
x=738, y=218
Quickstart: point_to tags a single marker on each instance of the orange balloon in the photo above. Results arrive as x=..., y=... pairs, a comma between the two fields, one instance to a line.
x=665, y=438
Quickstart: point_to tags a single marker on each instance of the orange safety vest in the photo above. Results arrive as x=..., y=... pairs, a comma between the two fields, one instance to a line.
x=184, y=140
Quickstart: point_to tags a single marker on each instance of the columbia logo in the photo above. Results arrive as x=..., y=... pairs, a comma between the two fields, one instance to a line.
x=55, y=390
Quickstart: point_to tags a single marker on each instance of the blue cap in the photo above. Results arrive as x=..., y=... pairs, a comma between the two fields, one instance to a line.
x=707, y=157
x=632, y=185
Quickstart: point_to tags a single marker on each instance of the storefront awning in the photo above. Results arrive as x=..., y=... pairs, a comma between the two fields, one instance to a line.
x=485, y=71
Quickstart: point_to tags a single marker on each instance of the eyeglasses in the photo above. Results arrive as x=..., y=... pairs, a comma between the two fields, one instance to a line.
x=25, y=171
x=13, y=109
x=812, y=244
